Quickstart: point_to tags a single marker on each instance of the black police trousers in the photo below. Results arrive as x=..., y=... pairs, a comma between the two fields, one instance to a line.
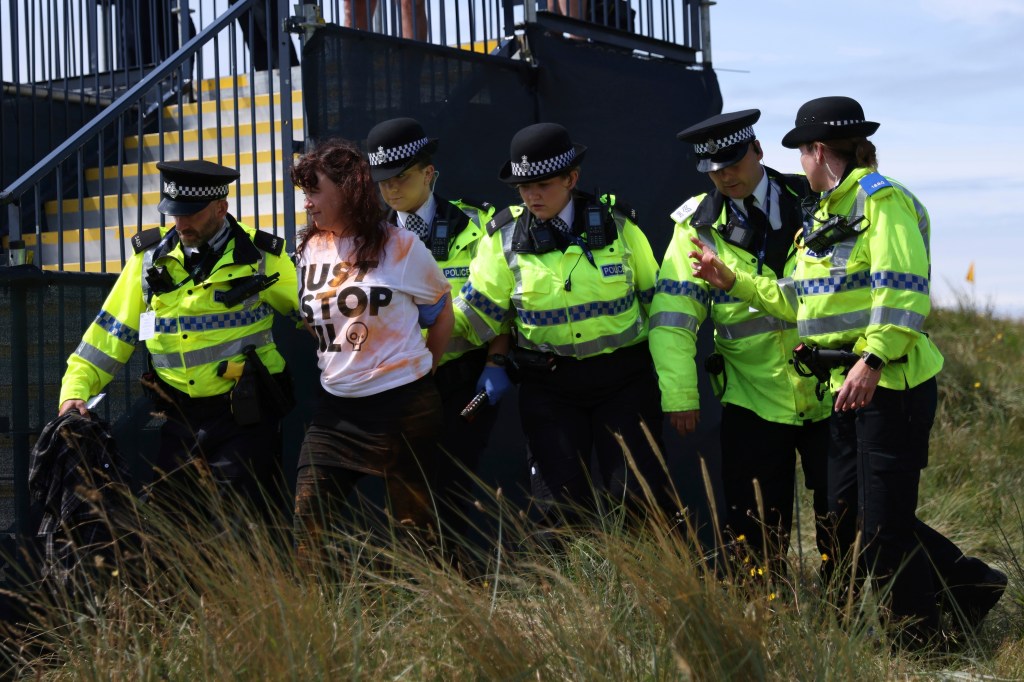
x=577, y=409
x=244, y=462
x=463, y=441
x=755, y=448
x=874, y=472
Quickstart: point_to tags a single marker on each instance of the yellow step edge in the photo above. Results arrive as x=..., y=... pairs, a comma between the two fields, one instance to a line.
x=149, y=167
x=210, y=106
x=92, y=234
x=224, y=132
x=210, y=84
x=153, y=198
x=480, y=46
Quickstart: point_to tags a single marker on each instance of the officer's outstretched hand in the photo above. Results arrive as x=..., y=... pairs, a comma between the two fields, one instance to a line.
x=73, y=404
x=684, y=422
x=710, y=268
x=495, y=381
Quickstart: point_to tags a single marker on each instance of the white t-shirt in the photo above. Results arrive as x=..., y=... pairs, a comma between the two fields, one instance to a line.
x=366, y=319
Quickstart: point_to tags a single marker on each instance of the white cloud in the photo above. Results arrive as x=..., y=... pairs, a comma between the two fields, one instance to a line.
x=979, y=12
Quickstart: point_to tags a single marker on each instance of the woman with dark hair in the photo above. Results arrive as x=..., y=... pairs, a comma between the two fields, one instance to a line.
x=861, y=286
x=366, y=289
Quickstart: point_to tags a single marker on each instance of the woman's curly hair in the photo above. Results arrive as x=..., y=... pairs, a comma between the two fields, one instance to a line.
x=341, y=162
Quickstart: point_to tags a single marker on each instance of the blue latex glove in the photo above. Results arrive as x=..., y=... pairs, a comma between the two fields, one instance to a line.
x=495, y=381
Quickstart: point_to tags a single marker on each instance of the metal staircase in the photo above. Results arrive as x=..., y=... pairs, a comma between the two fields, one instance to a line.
x=237, y=123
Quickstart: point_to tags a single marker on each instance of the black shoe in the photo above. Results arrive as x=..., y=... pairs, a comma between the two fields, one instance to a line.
x=973, y=602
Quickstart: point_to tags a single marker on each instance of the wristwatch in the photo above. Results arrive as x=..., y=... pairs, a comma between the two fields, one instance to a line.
x=872, y=361
x=497, y=359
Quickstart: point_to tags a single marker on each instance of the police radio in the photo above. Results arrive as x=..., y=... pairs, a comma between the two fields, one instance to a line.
x=596, y=238
x=737, y=232
x=159, y=280
x=542, y=236
x=835, y=229
x=439, y=241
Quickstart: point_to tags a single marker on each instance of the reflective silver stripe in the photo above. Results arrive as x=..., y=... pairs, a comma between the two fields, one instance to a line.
x=758, y=325
x=676, y=320
x=475, y=321
x=98, y=359
x=843, y=322
x=704, y=234
x=147, y=263
x=788, y=288
x=586, y=348
x=204, y=356
x=459, y=344
x=898, y=317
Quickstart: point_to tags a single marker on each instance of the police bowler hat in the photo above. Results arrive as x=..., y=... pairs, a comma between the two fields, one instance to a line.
x=722, y=140
x=187, y=187
x=540, y=151
x=828, y=118
x=395, y=145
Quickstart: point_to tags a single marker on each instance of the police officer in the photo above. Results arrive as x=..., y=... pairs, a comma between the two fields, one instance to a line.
x=861, y=285
x=199, y=295
x=572, y=276
x=769, y=411
x=401, y=163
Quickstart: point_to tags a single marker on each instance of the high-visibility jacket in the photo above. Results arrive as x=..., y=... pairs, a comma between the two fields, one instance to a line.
x=756, y=347
x=465, y=225
x=193, y=331
x=868, y=291
x=558, y=302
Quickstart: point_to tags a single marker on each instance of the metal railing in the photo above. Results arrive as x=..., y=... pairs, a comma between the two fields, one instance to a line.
x=77, y=207
x=120, y=94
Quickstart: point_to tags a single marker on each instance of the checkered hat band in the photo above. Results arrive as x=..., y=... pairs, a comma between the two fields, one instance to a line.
x=207, y=192
x=741, y=135
x=529, y=168
x=847, y=122
x=384, y=156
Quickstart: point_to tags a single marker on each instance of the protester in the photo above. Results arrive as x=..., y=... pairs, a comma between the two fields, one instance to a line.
x=366, y=288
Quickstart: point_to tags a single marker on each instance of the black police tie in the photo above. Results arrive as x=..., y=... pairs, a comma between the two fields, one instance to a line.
x=193, y=259
x=559, y=225
x=758, y=220
x=416, y=224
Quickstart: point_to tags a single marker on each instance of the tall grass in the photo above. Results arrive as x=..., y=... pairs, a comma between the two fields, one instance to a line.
x=622, y=601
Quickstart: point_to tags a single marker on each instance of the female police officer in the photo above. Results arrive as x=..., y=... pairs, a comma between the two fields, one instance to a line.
x=861, y=285
x=573, y=276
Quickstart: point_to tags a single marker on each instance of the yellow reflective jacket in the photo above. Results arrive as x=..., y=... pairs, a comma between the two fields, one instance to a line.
x=193, y=329
x=756, y=347
x=465, y=225
x=869, y=290
x=558, y=302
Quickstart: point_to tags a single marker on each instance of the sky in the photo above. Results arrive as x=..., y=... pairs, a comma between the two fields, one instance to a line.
x=945, y=78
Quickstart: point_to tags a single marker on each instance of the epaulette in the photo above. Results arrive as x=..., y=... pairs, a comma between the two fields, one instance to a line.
x=500, y=220
x=873, y=182
x=624, y=209
x=264, y=241
x=684, y=211
x=145, y=239
x=473, y=203
x=796, y=184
